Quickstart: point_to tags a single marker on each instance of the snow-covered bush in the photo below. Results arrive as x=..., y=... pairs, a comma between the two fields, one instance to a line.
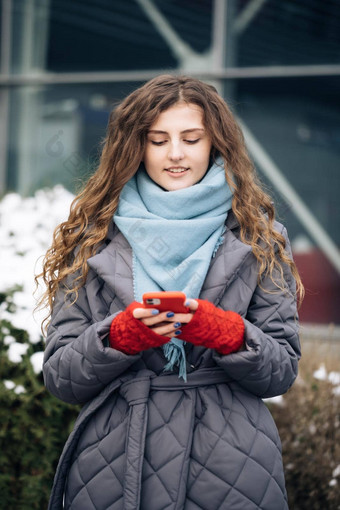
x=26, y=227
x=33, y=424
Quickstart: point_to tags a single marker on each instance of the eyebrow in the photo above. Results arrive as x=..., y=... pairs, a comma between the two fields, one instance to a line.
x=160, y=132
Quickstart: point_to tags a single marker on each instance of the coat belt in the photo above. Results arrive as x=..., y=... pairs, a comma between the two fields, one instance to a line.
x=136, y=393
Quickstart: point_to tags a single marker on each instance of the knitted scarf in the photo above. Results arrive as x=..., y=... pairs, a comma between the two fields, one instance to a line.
x=173, y=235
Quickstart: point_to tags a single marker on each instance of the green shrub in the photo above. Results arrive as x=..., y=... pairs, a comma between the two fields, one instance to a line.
x=33, y=425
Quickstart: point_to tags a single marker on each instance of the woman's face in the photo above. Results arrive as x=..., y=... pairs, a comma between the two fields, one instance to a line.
x=177, y=148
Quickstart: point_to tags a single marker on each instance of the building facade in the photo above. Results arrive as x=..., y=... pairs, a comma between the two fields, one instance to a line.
x=65, y=64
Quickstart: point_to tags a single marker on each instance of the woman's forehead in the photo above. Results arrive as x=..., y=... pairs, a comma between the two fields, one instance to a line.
x=184, y=116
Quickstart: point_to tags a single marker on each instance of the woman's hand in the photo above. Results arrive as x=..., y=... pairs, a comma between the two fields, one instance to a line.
x=139, y=329
x=166, y=323
x=215, y=328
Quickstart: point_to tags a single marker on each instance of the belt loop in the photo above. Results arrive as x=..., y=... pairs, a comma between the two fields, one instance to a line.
x=136, y=392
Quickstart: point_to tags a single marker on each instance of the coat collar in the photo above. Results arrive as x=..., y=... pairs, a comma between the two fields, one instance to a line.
x=230, y=260
x=114, y=263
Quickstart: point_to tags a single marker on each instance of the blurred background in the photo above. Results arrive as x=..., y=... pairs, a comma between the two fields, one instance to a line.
x=277, y=63
x=63, y=66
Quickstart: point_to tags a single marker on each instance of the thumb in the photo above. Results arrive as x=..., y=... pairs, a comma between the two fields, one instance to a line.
x=192, y=304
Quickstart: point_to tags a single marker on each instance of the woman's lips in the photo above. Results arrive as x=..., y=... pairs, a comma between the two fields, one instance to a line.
x=176, y=171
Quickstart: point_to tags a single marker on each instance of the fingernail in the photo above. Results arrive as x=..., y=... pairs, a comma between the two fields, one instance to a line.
x=154, y=312
x=178, y=332
x=187, y=303
x=170, y=314
x=177, y=325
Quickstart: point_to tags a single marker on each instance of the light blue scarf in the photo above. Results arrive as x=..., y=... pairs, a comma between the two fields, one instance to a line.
x=173, y=235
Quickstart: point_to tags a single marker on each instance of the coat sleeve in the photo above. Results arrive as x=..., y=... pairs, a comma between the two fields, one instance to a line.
x=268, y=365
x=77, y=365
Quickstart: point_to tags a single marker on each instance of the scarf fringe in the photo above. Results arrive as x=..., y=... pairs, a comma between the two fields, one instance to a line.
x=219, y=241
x=175, y=354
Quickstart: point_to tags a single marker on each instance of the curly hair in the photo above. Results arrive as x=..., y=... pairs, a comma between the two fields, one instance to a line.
x=123, y=148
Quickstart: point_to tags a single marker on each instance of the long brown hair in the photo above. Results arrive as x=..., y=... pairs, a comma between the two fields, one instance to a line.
x=123, y=149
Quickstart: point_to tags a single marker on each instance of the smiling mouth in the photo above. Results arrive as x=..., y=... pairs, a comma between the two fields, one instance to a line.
x=178, y=170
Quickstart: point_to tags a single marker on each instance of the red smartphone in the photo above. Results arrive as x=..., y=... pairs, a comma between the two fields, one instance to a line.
x=164, y=301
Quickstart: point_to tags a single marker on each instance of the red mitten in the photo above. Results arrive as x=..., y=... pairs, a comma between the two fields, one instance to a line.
x=214, y=328
x=130, y=335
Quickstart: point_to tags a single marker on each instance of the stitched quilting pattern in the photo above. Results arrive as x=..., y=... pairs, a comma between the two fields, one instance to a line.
x=219, y=441
x=100, y=454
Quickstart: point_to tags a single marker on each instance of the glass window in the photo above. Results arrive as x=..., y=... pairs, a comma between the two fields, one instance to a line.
x=101, y=36
x=52, y=133
x=56, y=131
x=297, y=122
x=292, y=32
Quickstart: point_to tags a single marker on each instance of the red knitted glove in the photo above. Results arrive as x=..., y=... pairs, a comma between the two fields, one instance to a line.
x=214, y=328
x=130, y=335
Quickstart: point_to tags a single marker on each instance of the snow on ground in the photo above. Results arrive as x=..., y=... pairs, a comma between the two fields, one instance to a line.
x=10, y=385
x=37, y=361
x=332, y=377
x=322, y=375
x=335, y=475
x=26, y=228
x=16, y=352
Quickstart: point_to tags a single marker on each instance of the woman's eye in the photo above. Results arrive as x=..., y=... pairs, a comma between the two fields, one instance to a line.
x=157, y=143
x=192, y=141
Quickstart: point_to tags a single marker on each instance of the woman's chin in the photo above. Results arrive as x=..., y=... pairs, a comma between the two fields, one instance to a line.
x=175, y=184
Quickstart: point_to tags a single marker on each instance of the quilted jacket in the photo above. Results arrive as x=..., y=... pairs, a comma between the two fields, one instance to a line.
x=147, y=440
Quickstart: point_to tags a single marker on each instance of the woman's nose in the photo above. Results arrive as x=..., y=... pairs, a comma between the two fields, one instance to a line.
x=175, y=152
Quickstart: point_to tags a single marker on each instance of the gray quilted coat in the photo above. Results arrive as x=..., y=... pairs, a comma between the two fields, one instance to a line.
x=147, y=440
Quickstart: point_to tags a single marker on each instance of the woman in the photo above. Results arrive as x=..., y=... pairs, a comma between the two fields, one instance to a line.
x=173, y=416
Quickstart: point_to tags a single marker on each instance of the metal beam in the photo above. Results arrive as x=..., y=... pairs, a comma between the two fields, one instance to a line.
x=286, y=190
x=181, y=50
x=42, y=78
x=247, y=15
x=219, y=34
x=5, y=69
